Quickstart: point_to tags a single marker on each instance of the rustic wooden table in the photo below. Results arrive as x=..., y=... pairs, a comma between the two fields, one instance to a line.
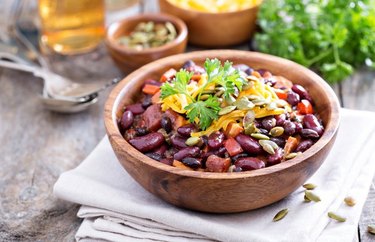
x=38, y=145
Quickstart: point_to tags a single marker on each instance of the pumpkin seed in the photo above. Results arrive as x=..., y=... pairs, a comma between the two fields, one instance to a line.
x=259, y=136
x=306, y=199
x=205, y=97
x=248, y=118
x=192, y=141
x=230, y=99
x=280, y=215
x=337, y=217
x=236, y=92
x=371, y=228
x=273, y=144
x=252, y=97
x=227, y=110
x=267, y=146
x=249, y=129
x=312, y=196
x=309, y=186
x=271, y=106
x=291, y=156
x=252, y=78
x=208, y=91
x=350, y=201
x=276, y=131
x=219, y=93
x=280, y=103
x=243, y=104
x=259, y=102
x=171, y=29
x=247, y=86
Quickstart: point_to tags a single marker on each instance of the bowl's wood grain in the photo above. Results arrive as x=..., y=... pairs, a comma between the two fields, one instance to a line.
x=215, y=29
x=223, y=192
x=129, y=59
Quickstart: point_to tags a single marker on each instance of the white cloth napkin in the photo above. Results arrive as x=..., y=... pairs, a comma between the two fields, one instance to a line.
x=116, y=208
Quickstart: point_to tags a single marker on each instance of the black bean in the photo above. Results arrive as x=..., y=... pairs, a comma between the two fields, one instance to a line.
x=268, y=122
x=275, y=158
x=304, y=145
x=300, y=90
x=146, y=101
x=192, y=162
x=216, y=140
x=154, y=156
x=141, y=131
x=249, y=144
x=270, y=80
x=187, y=152
x=263, y=131
x=309, y=133
x=289, y=127
x=236, y=157
x=293, y=98
x=249, y=163
x=147, y=142
x=178, y=141
x=135, y=108
x=186, y=130
x=166, y=124
x=127, y=120
x=279, y=141
x=311, y=122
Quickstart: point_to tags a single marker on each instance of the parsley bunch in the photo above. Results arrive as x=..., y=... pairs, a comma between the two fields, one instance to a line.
x=205, y=111
x=332, y=37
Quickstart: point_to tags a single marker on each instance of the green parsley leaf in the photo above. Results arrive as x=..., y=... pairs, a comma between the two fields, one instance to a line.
x=204, y=111
x=178, y=85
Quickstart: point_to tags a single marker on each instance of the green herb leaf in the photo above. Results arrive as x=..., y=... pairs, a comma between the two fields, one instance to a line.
x=177, y=86
x=205, y=111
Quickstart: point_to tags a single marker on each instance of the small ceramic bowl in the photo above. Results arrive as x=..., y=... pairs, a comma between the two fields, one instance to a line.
x=128, y=59
x=223, y=192
x=215, y=29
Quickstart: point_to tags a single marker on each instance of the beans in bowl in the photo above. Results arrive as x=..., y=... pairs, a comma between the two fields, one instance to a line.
x=221, y=118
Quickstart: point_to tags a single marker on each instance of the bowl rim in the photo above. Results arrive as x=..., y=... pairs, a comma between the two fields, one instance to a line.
x=116, y=137
x=211, y=13
x=162, y=17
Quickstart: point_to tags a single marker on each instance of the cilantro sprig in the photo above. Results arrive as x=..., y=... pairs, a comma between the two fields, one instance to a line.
x=332, y=37
x=204, y=112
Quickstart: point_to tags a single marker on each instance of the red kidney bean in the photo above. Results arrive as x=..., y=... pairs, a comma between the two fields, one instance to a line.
x=280, y=119
x=166, y=123
x=186, y=130
x=152, y=117
x=270, y=80
x=300, y=90
x=167, y=161
x=279, y=141
x=146, y=101
x=190, y=66
x=243, y=68
x=289, y=127
x=154, y=156
x=148, y=142
x=141, y=131
x=268, y=122
x=293, y=98
x=249, y=144
x=187, y=152
x=217, y=164
x=127, y=120
x=216, y=140
x=236, y=157
x=304, y=145
x=178, y=141
x=153, y=82
x=299, y=127
x=275, y=158
x=311, y=122
x=191, y=162
x=135, y=108
x=309, y=133
x=161, y=150
x=249, y=163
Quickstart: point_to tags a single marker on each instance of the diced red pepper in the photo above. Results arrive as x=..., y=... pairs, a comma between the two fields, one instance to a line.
x=168, y=75
x=233, y=130
x=150, y=89
x=232, y=146
x=290, y=145
x=305, y=107
x=281, y=94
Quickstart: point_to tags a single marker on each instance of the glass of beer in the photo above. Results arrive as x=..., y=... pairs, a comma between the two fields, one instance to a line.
x=71, y=26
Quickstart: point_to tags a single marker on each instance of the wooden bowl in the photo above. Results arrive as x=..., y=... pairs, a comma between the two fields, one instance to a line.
x=128, y=59
x=223, y=192
x=215, y=29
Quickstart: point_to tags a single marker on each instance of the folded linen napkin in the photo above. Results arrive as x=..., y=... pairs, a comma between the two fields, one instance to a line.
x=116, y=208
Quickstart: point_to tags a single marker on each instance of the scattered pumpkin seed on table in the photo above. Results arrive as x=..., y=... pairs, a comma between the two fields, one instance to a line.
x=336, y=217
x=311, y=196
x=280, y=215
x=350, y=201
x=309, y=186
x=371, y=228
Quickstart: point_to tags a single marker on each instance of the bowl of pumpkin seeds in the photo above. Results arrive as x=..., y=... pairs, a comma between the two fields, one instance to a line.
x=135, y=41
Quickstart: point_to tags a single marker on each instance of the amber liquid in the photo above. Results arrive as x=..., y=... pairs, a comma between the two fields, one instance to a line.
x=71, y=26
